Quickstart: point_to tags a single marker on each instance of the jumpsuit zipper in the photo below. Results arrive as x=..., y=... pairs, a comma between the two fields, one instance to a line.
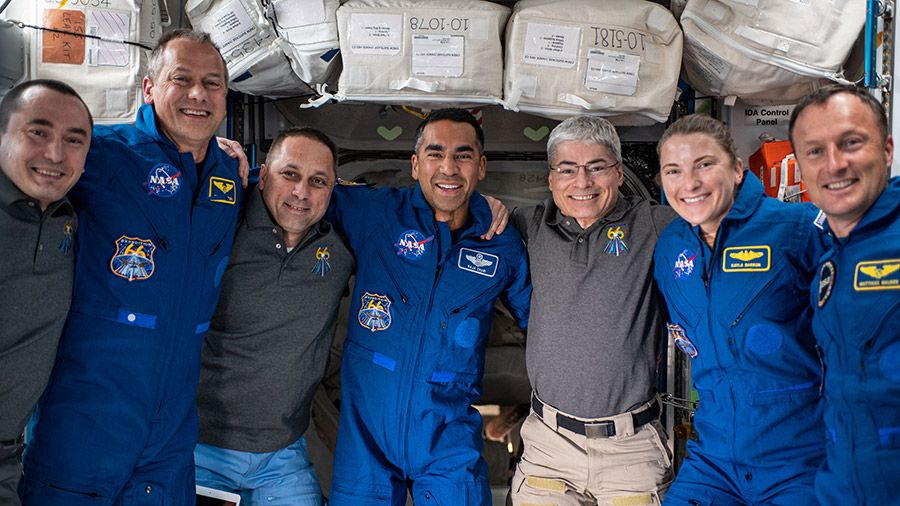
x=710, y=317
x=422, y=337
x=755, y=298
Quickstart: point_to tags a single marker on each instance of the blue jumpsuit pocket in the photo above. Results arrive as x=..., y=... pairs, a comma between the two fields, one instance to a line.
x=794, y=394
x=782, y=304
x=359, y=353
x=450, y=385
x=889, y=437
x=37, y=491
x=115, y=314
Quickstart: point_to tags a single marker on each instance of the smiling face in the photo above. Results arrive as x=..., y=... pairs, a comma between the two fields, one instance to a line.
x=448, y=166
x=296, y=185
x=188, y=95
x=587, y=198
x=699, y=179
x=45, y=144
x=843, y=159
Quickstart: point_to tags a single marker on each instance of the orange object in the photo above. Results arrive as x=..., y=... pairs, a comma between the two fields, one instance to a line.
x=776, y=167
x=63, y=47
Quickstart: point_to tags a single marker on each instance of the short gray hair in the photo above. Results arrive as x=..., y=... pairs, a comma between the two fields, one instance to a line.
x=586, y=129
x=155, y=62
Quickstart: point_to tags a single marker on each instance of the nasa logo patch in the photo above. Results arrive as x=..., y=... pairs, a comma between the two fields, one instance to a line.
x=826, y=282
x=375, y=312
x=412, y=244
x=163, y=180
x=133, y=259
x=684, y=264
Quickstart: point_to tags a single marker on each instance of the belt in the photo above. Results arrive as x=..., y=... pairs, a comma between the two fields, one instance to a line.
x=599, y=429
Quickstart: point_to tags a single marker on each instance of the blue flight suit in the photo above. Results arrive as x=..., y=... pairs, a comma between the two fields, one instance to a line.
x=118, y=423
x=741, y=312
x=856, y=301
x=414, y=355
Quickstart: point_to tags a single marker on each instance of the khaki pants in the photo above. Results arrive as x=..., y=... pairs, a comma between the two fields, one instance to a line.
x=562, y=468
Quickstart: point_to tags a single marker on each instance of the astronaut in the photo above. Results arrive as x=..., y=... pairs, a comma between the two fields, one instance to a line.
x=840, y=137
x=422, y=305
x=734, y=270
x=118, y=421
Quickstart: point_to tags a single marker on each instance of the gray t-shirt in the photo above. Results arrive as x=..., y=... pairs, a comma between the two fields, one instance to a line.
x=596, y=324
x=36, y=269
x=267, y=345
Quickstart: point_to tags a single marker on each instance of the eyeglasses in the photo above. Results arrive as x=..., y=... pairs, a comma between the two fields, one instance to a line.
x=595, y=169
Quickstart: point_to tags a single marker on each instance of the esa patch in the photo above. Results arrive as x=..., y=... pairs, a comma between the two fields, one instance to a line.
x=616, y=245
x=133, y=259
x=164, y=181
x=684, y=264
x=877, y=275
x=375, y=312
x=221, y=190
x=412, y=244
x=478, y=262
x=826, y=282
x=747, y=259
x=676, y=333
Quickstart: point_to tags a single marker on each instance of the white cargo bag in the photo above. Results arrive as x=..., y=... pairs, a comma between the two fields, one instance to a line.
x=424, y=53
x=152, y=26
x=618, y=58
x=256, y=63
x=309, y=35
x=768, y=51
x=106, y=74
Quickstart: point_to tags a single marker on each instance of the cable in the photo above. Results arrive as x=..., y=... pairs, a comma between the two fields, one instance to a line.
x=20, y=24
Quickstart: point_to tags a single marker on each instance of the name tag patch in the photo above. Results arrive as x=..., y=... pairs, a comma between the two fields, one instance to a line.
x=747, y=259
x=133, y=259
x=478, y=262
x=222, y=190
x=877, y=275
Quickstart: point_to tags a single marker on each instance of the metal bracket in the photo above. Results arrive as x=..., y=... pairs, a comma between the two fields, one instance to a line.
x=678, y=403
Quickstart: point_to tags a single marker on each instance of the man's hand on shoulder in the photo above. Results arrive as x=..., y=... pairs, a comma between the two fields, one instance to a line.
x=499, y=215
x=236, y=151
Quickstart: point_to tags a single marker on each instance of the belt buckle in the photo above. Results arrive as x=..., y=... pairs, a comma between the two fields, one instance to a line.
x=599, y=430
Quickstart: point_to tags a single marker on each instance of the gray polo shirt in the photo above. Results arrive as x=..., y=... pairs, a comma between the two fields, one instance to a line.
x=595, y=325
x=36, y=268
x=268, y=342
